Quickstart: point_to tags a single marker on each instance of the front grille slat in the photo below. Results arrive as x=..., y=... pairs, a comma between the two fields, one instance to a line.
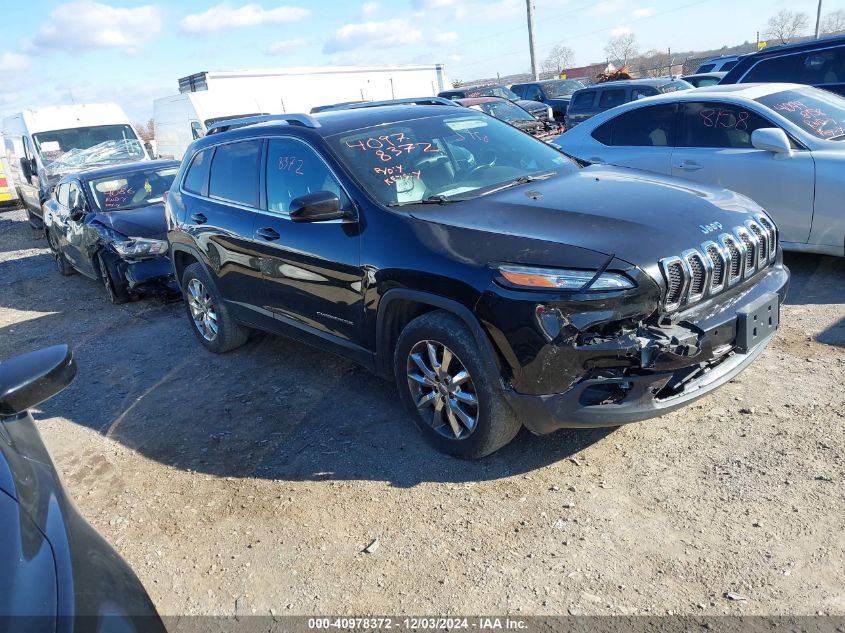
x=716, y=265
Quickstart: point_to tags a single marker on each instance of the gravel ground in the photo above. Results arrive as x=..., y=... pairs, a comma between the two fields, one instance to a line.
x=256, y=480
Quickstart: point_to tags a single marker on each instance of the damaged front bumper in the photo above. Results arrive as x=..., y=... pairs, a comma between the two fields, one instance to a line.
x=149, y=276
x=657, y=368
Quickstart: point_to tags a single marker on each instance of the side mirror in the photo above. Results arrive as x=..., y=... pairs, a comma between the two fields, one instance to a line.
x=26, y=169
x=77, y=213
x=30, y=379
x=538, y=98
x=771, y=139
x=319, y=206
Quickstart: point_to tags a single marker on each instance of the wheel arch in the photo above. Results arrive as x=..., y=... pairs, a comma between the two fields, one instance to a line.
x=400, y=306
x=181, y=257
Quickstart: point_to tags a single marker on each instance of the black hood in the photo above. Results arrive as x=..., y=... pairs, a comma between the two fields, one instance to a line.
x=141, y=222
x=639, y=217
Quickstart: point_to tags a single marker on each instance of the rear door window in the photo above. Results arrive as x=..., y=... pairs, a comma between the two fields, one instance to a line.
x=197, y=172
x=728, y=65
x=783, y=68
x=234, y=172
x=611, y=98
x=582, y=100
x=706, y=68
x=721, y=125
x=653, y=126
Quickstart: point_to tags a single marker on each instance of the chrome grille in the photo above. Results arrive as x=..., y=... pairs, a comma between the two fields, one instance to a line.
x=717, y=265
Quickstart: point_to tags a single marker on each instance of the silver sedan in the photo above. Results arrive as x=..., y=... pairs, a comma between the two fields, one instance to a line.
x=782, y=145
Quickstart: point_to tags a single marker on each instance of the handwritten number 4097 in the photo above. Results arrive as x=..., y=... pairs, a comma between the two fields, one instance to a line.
x=291, y=164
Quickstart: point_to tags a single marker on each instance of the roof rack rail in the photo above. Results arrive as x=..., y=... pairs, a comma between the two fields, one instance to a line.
x=389, y=102
x=305, y=120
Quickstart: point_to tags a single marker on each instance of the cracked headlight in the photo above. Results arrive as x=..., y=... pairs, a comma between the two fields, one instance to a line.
x=140, y=247
x=562, y=279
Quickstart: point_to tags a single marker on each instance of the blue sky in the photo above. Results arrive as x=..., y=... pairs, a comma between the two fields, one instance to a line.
x=134, y=51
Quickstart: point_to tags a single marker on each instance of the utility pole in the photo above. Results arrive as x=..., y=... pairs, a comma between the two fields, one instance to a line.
x=530, y=6
x=818, y=19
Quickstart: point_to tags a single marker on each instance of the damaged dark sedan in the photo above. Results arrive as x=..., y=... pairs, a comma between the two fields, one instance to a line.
x=108, y=224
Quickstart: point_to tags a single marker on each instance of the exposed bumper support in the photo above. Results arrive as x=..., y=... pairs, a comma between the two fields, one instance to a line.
x=544, y=414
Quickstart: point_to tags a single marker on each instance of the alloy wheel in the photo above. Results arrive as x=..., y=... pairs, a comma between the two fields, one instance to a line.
x=202, y=309
x=442, y=389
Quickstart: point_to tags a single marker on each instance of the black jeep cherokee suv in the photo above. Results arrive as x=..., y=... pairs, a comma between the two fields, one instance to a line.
x=497, y=281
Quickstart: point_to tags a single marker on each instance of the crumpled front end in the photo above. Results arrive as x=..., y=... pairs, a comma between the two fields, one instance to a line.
x=616, y=359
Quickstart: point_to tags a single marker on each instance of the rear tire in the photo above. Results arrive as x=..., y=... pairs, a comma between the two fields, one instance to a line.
x=115, y=288
x=449, y=388
x=62, y=264
x=208, y=315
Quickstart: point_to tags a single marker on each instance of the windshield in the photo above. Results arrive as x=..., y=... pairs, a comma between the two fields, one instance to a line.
x=817, y=112
x=504, y=110
x=492, y=91
x=63, y=150
x=561, y=87
x=132, y=189
x=453, y=157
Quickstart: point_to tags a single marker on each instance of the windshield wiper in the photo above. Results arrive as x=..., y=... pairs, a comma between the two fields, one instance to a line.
x=435, y=199
x=522, y=180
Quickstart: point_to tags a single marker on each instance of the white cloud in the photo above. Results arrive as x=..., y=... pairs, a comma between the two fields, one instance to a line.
x=224, y=16
x=446, y=37
x=283, y=46
x=608, y=7
x=370, y=8
x=13, y=62
x=86, y=24
x=425, y=5
x=620, y=30
x=386, y=34
x=645, y=12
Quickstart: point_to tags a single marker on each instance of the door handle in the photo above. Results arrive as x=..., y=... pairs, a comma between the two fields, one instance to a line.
x=689, y=166
x=268, y=234
x=199, y=218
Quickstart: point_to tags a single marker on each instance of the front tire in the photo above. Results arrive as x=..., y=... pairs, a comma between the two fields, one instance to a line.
x=208, y=315
x=450, y=389
x=115, y=288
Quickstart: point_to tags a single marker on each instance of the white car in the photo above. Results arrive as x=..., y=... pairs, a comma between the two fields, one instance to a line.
x=782, y=145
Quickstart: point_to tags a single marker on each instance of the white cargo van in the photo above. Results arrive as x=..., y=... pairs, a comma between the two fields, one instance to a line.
x=183, y=118
x=285, y=90
x=44, y=144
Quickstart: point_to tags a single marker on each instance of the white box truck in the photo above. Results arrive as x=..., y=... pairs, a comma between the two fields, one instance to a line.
x=44, y=144
x=286, y=90
x=183, y=118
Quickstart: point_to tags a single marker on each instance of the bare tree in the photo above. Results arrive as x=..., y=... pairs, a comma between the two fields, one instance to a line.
x=833, y=22
x=786, y=25
x=622, y=48
x=146, y=131
x=655, y=63
x=559, y=59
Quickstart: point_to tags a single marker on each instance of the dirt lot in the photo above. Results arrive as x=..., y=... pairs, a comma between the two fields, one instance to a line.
x=253, y=481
